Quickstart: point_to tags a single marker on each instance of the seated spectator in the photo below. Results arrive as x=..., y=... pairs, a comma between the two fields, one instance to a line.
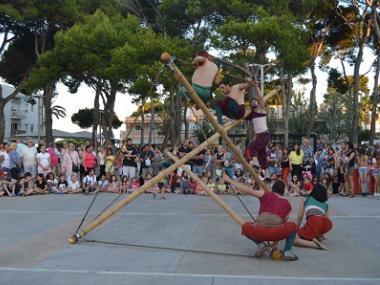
x=114, y=185
x=40, y=186
x=211, y=184
x=221, y=187
x=89, y=182
x=294, y=186
x=192, y=186
x=8, y=184
x=73, y=186
x=307, y=186
x=51, y=183
x=27, y=184
x=103, y=184
x=124, y=184
x=134, y=185
x=184, y=182
x=61, y=185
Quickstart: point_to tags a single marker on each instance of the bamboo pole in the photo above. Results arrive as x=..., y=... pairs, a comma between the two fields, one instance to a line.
x=166, y=58
x=214, y=196
x=117, y=207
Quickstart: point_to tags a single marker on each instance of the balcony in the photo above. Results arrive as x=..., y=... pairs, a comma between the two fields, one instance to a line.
x=17, y=115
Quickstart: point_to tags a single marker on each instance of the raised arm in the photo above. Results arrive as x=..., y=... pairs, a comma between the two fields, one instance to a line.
x=244, y=188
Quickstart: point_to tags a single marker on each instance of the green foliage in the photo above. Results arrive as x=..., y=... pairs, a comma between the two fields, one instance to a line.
x=203, y=131
x=76, y=142
x=84, y=119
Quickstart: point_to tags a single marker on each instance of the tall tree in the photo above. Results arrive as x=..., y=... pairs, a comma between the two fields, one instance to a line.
x=355, y=15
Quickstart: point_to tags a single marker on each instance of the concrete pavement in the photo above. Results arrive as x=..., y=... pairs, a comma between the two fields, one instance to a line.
x=34, y=249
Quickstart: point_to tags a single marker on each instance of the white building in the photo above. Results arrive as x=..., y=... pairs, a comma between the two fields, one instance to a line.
x=21, y=116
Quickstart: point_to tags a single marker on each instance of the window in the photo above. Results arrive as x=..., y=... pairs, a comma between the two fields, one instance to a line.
x=31, y=107
x=14, y=127
x=31, y=128
x=26, y=127
x=138, y=128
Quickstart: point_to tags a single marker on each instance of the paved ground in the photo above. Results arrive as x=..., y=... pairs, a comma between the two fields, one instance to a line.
x=34, y=231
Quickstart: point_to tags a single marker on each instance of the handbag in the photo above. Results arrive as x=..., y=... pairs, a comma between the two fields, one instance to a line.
x=74, y=167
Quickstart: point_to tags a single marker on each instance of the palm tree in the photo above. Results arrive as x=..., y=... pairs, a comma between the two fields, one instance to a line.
x=58, y=111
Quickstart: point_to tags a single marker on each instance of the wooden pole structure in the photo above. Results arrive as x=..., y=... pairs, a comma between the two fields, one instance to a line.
x=117, y=207
x=166, y=58
x=214, y=196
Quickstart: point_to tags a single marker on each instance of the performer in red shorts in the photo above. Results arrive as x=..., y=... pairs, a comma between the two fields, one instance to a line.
x=272, y=223
x=315, y=209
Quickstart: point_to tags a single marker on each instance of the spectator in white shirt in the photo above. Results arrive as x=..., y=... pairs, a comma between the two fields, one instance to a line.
x=43, y=161
x=28, y=156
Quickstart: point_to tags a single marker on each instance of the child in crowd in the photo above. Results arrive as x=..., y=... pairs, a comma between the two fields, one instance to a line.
x=114, y=185
x=307, y=186
x=73, y=186
x=89, y=182
x=326, y=183
x=103, y=184
x=27, y=184
x=124, y=184
x=40, y=186
x=221, y=186
x=211, y=184
x=110, y=162
x=185, y=189
x=61, y=185
x=8, y=184
x=51, y=183
x=163, y=187
x=294, y=187
x=192, y=185
x=134, y=185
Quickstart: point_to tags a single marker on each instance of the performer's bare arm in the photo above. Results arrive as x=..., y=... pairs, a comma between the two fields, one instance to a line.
x=244, y=188
x=198, y=60
x=301, y=212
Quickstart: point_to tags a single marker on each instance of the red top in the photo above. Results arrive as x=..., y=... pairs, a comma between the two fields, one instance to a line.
x=308, y=187
x=271, y=203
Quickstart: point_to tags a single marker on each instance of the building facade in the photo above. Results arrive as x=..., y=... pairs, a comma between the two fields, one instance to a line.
x=23, y=114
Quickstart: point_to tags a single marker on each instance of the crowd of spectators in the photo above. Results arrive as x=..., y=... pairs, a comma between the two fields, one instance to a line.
x=27, y=169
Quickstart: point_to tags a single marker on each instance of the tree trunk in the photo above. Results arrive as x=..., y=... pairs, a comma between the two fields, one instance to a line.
x=2, y=117
x=186, y=122
x=171, y=122
x=47, y=99
x=313, y=100
x=142, y=127
x=96, y=118
x=375, y=100
x=355, y=104
x=286, y=96
x=178, y=119
x=108, y=115
x=151, y=125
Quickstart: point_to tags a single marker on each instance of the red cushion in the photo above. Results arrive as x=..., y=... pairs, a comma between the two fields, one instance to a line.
x=261, y=233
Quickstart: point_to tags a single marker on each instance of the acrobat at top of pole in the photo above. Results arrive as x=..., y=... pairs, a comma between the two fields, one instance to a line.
x=165, y=57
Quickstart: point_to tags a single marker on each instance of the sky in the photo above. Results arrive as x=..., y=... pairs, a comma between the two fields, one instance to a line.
x=124, y=107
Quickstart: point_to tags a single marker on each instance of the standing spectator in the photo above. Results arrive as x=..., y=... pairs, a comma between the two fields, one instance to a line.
x=156, y=161
x=110, y=162
x=285, y=167
x=182, y=151
x=219, y=160
x=307, y=150
x=4, y=158
x=146, y=157
x=70, y=162
x=20, y=147
x=101, y=161
x=28, y=157
x=363, y=171
x=331, y=160
x=89, y=160
x=43, y=161
x=15, y=161
x=318, y=158
x=208, y=161
x=197, y=163
x=376, y=175
x=54, y=161
x=272, y=160
x=296, y=160
x=350, y=161
x=129, y=160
